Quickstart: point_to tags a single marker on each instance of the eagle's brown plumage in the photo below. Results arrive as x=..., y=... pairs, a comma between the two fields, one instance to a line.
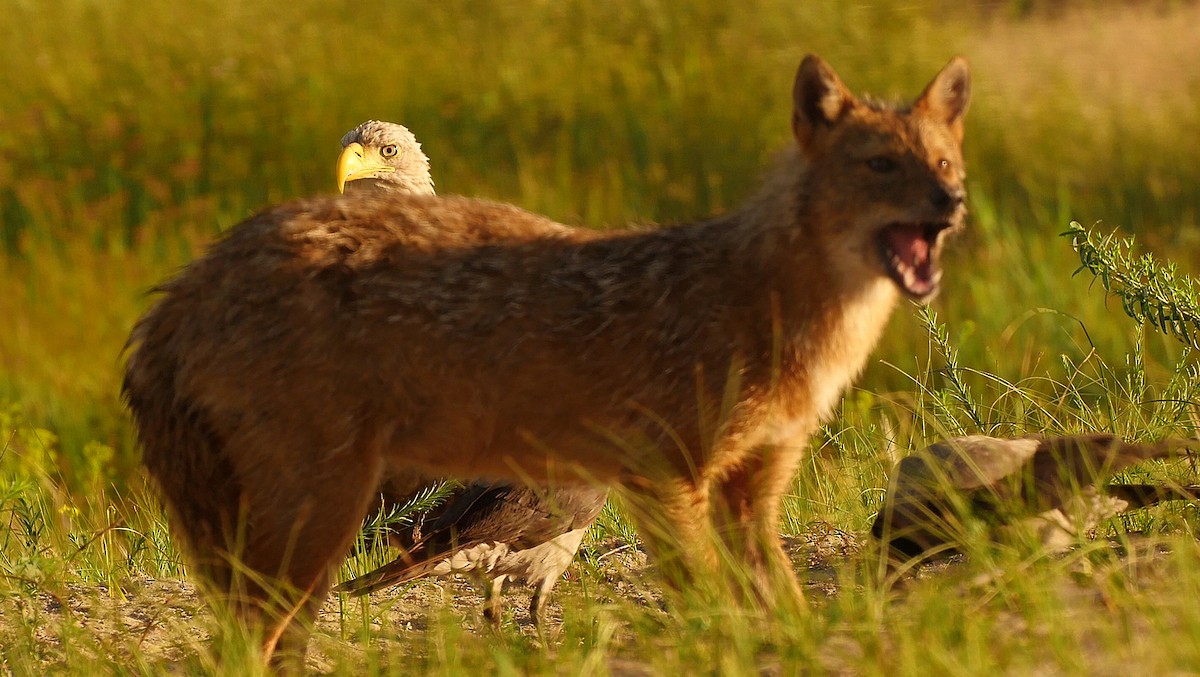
x=497, y=531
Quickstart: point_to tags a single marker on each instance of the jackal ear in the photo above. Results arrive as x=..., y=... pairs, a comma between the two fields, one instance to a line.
x=946, y=98
x=819, y=98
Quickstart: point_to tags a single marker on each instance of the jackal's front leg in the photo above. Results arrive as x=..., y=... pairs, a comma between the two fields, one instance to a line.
x=674, y=520
x=747, y=515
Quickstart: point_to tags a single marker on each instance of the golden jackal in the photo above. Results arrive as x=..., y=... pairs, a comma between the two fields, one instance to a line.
x=328, y=343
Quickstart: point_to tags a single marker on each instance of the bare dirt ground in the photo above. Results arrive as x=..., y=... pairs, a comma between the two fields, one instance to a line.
x=166, y=622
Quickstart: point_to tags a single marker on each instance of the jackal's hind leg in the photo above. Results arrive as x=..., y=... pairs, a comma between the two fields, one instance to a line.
x=297, y=528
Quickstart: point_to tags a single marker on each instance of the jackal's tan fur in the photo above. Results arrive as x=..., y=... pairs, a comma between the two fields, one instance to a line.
x=328, y=343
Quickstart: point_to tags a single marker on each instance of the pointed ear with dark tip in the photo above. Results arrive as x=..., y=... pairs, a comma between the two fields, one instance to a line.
x=946, y=98
x=819, y=98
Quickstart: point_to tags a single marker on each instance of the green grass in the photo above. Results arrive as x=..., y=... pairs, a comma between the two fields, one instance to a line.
x=132, y=133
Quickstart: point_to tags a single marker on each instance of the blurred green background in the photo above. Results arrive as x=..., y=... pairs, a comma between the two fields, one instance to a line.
x=133, y=132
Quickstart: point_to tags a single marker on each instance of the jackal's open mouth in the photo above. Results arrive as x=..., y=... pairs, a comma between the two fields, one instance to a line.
x=910, y=256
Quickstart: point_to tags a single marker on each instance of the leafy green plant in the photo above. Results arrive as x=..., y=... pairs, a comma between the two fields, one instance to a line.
x=372, y=538
x=955, y=391
x=1150, y=292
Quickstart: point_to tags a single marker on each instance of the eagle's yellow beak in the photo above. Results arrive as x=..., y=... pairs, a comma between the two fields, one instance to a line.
x=357, y=162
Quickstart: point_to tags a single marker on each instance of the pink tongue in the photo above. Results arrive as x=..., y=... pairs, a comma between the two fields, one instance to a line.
x=909, y=243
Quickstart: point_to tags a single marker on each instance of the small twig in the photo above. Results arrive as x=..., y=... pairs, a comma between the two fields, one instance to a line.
x=614, y=551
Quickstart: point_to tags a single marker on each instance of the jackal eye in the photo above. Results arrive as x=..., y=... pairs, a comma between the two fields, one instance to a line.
x=881, y=164
x=943, y=163
x=389, y=150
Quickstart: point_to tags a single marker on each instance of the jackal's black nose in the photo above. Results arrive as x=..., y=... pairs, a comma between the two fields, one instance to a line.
x=943, y=199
